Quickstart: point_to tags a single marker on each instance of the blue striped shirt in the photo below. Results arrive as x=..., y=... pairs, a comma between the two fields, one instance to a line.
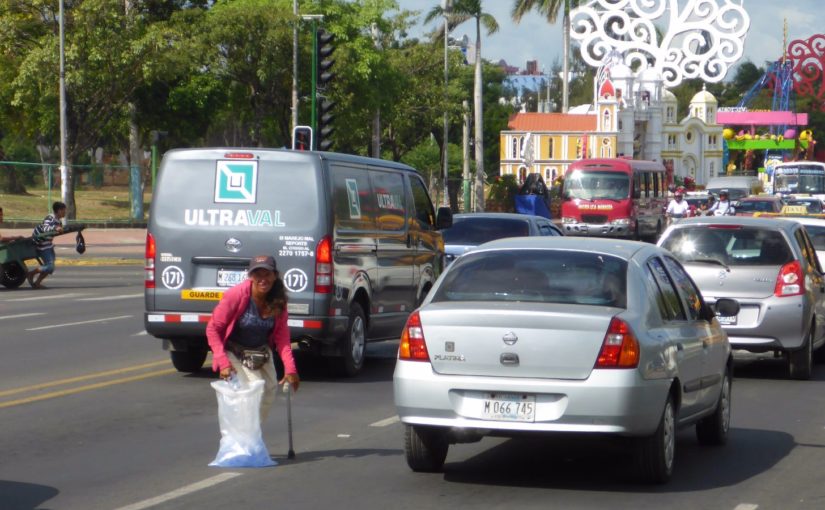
x=50, y=224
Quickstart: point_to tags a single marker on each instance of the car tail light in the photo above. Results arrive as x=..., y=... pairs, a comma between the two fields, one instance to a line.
x=239, y=155
x=412, y=346
x=790, y=281
x=323, y=266
x=149, y=268
x=620, y=349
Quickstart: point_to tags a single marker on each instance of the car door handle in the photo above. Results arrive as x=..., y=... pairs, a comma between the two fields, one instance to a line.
x=509, y=358
x=680, y=346
x=705, y=343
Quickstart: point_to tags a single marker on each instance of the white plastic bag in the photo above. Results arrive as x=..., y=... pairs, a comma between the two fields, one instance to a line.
x=239, y=418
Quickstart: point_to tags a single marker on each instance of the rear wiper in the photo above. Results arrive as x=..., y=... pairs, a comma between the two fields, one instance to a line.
x=711, y=261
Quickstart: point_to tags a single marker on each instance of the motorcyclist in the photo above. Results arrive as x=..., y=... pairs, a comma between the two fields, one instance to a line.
x=678, y=207
x=722, y=207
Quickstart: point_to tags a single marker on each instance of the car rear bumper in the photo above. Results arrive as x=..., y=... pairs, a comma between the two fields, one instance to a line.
x=609, y=401
x=596, y=230
x=776, y=323
x=193, y=325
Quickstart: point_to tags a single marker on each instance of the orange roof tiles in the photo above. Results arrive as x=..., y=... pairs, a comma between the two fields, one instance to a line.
x=554, y=122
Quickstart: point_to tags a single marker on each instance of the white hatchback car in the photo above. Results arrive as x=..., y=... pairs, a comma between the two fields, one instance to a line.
x=564, y=335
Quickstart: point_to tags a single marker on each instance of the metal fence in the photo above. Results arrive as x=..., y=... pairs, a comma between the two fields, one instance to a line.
x=102, y=192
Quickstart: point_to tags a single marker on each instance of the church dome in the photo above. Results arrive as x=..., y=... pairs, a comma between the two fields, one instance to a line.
x=650, y=74
x=620, y=72
x=669, y=97
x=704, y=97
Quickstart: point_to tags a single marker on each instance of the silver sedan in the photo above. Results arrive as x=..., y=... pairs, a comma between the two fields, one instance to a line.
x=563, y=335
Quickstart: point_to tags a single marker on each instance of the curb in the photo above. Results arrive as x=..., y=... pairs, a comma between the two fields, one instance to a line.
x=100, y=261
x=102, y=224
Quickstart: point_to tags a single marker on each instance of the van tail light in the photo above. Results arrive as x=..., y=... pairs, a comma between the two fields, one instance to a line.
x=790, y=281
x=412, y=346
x=323, y=266
x=149, y=268
x=620, y=349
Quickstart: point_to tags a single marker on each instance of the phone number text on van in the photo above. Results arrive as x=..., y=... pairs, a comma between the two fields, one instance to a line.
x=230, y=218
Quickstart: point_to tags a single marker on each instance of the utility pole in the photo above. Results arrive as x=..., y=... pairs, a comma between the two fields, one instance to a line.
x=65, y=175
x=465, y=143
x=447, y=7
x=295, y=64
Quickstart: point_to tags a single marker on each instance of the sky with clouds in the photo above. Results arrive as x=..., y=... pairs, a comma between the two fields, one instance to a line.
x=535, y=39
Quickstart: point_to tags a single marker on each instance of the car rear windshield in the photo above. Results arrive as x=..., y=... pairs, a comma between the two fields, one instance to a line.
x=542, y=276
x=475, y=231
x=817, y=234
x=756, y=206
x=729, y=245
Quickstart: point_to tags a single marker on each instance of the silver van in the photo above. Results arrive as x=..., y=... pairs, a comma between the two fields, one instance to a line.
x=356, y=240
x=737, y=186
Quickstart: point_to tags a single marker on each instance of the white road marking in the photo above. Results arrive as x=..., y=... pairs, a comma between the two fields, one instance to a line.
x=183, y=491
x=142, y=333
x=343, y=436
x=42, y=297
x=386, y=422
x=81, y=322
x=746, y=506
x=21, y=315
x=112, y=298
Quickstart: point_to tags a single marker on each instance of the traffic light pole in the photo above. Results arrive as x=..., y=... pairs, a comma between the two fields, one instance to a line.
x=314, y=93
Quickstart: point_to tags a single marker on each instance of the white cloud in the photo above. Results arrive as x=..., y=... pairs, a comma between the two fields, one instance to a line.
x=535, y=39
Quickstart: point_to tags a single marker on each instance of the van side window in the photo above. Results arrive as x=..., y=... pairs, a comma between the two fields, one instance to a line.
x=424, y=212
x=352, y=199
x=389, y=199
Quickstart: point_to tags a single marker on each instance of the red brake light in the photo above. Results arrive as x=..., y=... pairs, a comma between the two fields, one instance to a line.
x=323, y=266
x=620, y=349
x=149, y=268
x=239, y=155
x=412, y=346
x=790, y=281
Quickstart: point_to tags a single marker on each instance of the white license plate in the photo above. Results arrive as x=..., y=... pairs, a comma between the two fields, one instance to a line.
x=726, y=321
x=229, y=278
x=509, y=407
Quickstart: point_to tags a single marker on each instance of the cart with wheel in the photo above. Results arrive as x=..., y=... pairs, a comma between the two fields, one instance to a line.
x=14, y=254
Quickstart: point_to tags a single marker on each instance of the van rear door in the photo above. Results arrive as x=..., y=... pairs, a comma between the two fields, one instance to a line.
x=214, y=209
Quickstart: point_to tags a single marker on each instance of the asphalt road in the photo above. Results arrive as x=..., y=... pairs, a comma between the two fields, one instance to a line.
x=93, y=416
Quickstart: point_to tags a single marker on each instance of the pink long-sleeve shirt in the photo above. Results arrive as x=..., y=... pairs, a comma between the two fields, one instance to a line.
x=228, y=311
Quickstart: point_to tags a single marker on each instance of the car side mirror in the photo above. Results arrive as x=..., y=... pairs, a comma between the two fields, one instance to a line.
x=637, y=194
x=444, y=218
x=565, y=194
x=727, y=307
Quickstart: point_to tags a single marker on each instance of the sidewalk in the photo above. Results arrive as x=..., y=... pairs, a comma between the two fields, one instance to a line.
x=103, y=246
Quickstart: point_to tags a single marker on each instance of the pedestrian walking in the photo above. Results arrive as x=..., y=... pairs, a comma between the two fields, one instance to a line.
x=248, y=325
x=45, y=245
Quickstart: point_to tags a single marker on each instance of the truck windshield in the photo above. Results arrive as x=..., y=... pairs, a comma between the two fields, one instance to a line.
x=595, y=184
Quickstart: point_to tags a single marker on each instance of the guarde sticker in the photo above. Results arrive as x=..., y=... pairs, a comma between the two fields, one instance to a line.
x=172, y=277
x=295, y=280
x=201, y=295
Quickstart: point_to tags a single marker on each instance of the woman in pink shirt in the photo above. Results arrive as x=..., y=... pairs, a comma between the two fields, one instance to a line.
x=248, y=325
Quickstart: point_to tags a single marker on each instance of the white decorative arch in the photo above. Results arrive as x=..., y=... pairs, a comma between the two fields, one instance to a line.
x=700, y=38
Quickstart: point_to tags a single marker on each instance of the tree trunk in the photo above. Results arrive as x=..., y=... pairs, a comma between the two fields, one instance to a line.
x=479, y=122
x=376, y=133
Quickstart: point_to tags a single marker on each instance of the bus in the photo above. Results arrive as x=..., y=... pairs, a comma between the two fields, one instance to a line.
x=619, y=197
x=799, y=177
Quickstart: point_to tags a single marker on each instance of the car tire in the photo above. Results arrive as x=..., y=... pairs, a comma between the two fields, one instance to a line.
x=800, y=361
x=353, y=344
x=713, y=430
x=189, y=361
x=425, y=448
x=656, y=453
x=13, y=274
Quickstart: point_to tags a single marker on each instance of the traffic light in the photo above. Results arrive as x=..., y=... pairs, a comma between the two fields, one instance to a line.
x=325, y=127
x=323, y=62
x=324, y=76
x=302, y=138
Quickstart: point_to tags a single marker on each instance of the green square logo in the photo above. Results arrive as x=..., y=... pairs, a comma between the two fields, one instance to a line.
x=236, y=182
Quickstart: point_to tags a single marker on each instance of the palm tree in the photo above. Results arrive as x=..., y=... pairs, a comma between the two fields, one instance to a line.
x=461, y=11
x=550, y=8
